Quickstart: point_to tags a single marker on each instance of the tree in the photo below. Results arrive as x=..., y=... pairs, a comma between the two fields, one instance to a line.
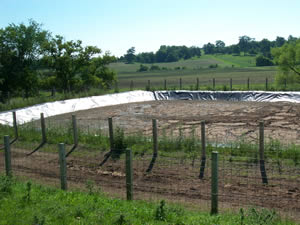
x=263, y=61
x=220, y=46
x=245, y=43
x=209, y=48
x=20, y=50
x=279, y=41
x=66, y=59
x=130, y=57
x=265, y=47
x=288, y=57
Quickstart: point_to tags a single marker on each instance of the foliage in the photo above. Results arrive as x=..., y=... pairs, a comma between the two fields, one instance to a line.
x=20, y=50
x=130, y=57
x=263, y=61
x=143, y=68
x=53, y=206
x=288, y=57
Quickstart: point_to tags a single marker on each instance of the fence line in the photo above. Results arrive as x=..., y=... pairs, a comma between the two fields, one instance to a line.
x=234, y=181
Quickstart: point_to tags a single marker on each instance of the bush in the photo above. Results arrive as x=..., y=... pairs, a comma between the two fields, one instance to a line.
x=263, y=61
x=213, y=66
x=154, y=67
x=143, y=68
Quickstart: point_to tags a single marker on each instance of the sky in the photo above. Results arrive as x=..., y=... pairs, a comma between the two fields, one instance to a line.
x=117, y=25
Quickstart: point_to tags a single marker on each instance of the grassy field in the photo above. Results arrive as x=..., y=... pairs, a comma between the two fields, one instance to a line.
x=237, y=68
x=30, y=203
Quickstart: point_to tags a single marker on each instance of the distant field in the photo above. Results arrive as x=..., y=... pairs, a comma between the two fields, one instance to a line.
x=237, y=68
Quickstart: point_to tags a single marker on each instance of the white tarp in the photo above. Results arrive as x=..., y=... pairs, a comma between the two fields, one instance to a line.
x=28, y=114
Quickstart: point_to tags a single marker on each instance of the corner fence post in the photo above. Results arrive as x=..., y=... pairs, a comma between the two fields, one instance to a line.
x=7, y=156
x=155, y=145
x=214, y=183
x=261, y=154
x=63, y=166
x=203, y=150
x=129, y=175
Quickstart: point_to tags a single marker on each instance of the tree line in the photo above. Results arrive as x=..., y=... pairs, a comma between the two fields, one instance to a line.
x=32, y=59
x=245, y=46
x=163, y=54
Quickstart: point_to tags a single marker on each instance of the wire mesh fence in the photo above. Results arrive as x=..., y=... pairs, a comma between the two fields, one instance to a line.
x=175, y=173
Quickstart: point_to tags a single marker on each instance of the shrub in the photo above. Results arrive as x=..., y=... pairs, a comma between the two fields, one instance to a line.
x=143, y=68
x=154, y=67
x=263, y=61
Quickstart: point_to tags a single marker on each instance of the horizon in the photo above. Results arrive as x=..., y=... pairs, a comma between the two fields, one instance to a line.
x=119, y=25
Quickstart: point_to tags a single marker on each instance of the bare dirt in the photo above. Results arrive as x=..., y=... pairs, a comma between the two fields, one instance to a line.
x=226, y=121
x=177, y=179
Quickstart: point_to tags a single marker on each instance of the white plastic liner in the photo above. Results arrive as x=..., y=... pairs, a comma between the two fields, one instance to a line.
x=28, y=114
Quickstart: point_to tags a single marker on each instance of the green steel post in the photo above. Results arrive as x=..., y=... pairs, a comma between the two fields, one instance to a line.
x=214, y=183
x=7, y=156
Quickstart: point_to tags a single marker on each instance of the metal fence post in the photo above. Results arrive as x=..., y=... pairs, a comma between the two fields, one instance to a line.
x=203, y=150
x=63, y=166
x=75, y=132
x=261, y=154
x=7, y=156
x=214, y=183
x=129, y=175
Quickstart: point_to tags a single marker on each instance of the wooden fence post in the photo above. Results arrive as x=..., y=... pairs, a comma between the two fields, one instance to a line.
x=261, y=153
x=7, y=156
x=214, y=84
x=131, y=85
x=203, y=150
x=165, y=84
x=266, y=83
x=43, y=126
x=63, y=166
x=15, y=127
x=197, y=84
x=230, y=84
x=111, y=133
x=155, y=145
x=248, y=83
x=180, y=83
x=129, y=175
x=214, y=183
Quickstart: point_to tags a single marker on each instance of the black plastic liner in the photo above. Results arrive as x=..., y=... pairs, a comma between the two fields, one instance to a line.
x=254, y=96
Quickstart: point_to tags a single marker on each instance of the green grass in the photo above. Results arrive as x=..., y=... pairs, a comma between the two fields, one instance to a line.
x=179, y=146
x=30, y=203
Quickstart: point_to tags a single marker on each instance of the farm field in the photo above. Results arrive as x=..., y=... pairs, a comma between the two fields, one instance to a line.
x=238, y=68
